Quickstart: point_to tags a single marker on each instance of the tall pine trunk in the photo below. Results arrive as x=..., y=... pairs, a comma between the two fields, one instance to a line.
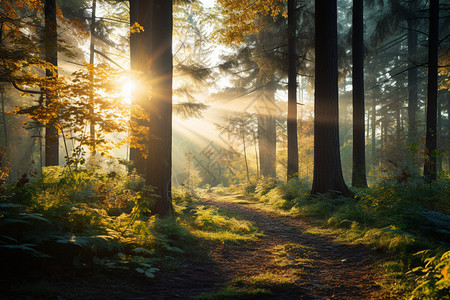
x=327, y=162
x=159, y=161
x=51, y=56
x=359, y=143
x=431, y=133
x=292, y=160
x=140, y=58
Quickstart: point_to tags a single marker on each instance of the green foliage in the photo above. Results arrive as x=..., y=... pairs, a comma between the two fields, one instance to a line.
x=268, y=280
x=209, y=222
x=434, y=279
x=250, y=189
x=236, y=293
x=212, y=219
x=89, y=216
x=282, y=196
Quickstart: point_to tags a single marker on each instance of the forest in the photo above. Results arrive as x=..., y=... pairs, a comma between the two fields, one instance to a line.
x=225, y=149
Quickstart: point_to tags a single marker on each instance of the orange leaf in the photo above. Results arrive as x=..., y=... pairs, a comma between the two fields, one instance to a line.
x=445, y=272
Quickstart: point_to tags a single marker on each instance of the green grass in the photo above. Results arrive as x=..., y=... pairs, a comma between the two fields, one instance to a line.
x=235, y=293
x=215, y=224
x=293, y=255
x=268, y=280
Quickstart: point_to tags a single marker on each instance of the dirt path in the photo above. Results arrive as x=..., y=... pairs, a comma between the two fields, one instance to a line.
x=322, y=269
x=284, y=259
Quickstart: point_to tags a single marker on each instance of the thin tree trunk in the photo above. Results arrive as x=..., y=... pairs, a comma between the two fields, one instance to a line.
x=367, y=124
x=266, y=130
x=430, y=143
x=159, y=161
x=51, y=56
x=91, y=62
x=245, y=157
x=374, y=130
x=399, y=121
x=327, y=161
x=255, y=141
x=439, y=132
x=412, y=78
x=292, y=160
x=448, y=132
x=359, y=142
x=5, y=129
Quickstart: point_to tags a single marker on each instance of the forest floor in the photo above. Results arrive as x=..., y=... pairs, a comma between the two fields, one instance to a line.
x=285, y=261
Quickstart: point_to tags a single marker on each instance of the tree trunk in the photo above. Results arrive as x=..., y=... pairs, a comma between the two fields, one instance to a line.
x=374, y=130
x=91, y=62
x=159, y=161
x=439, y=142
x=255, y=142
x=430, y=143
x=359, y=142
x=327, y=162
x=412, y=78
x=5, y=128
x=448, y=132
x=51, y=56
x=140, y=58
x=292, y=160
x=398, y=116
x=267, y=131
x=245, y=155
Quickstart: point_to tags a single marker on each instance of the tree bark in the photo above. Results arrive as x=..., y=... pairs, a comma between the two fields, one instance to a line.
x=327, y=162
x=267, y=131
x=159, y=162
x=374, y=130
x=91, y=62
x=245, y=154
x=51, y=56
x=438, y=144
x=412, y=78
x=430, y=143
x=292, y=161
x=140, y=58
x=448, y=132
x=398, y=116
x=359, y=142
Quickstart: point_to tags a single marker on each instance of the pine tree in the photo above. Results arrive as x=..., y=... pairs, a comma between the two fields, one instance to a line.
x=430, y=173
x=327, y=163
x=359, y=149
x=292, y=161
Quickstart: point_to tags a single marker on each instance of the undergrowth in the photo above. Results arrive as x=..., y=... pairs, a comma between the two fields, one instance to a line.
x=83, y=219
x=210, y=222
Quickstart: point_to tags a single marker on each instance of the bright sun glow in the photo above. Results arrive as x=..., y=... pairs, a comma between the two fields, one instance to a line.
x=127, y=89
